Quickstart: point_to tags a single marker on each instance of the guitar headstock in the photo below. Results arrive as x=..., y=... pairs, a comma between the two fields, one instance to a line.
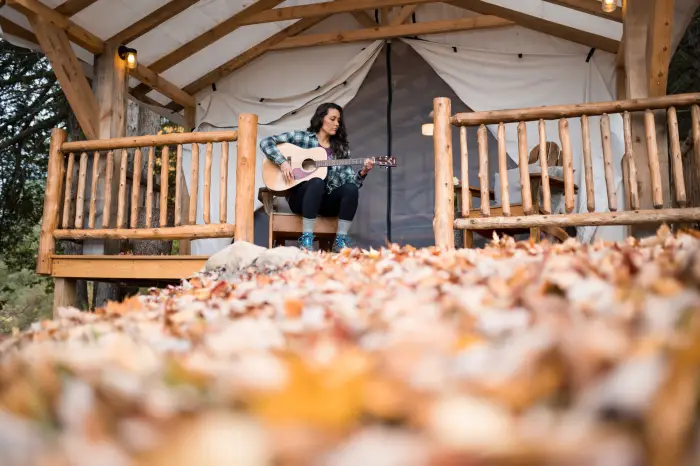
x=387, y=162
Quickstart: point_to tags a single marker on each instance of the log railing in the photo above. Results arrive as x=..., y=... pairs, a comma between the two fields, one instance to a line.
x=444, y=221
x=108, y=206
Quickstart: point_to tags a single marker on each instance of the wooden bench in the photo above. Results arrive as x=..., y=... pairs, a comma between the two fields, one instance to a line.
x=285, y=226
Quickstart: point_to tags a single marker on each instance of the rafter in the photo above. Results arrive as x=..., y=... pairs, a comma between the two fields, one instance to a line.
x=541, y=25
x=69, y=73
x=388, y=32
x=592, y=7
x=96, y=46
x=251, y=54
x=152, y=21
x=328, y=8
x=364, y=19
x=403, y=15
x=219, y=31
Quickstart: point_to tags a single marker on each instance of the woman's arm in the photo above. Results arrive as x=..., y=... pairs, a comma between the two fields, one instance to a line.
x=269, y=146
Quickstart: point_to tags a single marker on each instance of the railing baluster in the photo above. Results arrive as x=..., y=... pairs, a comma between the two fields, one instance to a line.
x=588, y=163
x=503, y=170
x=675, y=156
x=608, y=162
x=223, y=188
x=80, y=198
x=178, y=186
x=482, y=142
x=653, y=156
x=631, y=164
x=695, y=116
x=568, y=164
x=465, y=192
x=194, y=185
x=546, y=194
x=523, y=159
x=69, y=191
x=109, y=173
x=93, y=189
x=149, y=185
x=121, y=201
x=136, y=188
x=207, y=182
x=164, y=169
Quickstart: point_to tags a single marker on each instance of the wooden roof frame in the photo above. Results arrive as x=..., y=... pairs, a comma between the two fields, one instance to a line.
x=264, y=11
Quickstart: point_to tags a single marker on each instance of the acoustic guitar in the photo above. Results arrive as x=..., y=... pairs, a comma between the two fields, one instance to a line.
x=308, y=164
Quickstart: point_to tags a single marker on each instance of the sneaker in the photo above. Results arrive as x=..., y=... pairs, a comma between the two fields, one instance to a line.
x=306, y=241
x=341, y=241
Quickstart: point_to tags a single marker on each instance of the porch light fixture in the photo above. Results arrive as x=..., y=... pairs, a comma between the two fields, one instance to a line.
x=128, y=55
x=427, y=129
x=609, y=5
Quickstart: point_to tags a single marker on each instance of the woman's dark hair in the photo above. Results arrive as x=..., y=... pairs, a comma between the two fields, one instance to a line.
x=339, y=141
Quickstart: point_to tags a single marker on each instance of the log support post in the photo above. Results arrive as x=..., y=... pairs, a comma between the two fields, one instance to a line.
x=443, y=221
x=245, y=178
x=110, y=89
x=645, y=36
x=52, y=199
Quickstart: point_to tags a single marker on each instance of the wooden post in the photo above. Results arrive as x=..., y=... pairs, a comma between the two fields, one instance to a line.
x=49, y=220
x=641, y=41
x=245, y=178
x=503, y=170
x=443, y=222
x=524, y=169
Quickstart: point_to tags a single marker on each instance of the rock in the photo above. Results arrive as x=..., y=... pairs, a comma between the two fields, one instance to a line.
x=235, y=257
x=278, y=257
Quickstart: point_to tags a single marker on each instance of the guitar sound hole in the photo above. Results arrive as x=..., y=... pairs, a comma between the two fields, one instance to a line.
x=308, y=165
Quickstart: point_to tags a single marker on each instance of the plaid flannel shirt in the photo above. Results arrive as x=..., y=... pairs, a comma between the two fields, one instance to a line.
x=337, y=176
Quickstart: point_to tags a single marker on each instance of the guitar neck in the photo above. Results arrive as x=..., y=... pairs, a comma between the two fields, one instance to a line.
x=337, y=162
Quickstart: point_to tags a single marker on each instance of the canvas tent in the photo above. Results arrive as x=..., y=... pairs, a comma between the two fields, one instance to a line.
x=485, y=55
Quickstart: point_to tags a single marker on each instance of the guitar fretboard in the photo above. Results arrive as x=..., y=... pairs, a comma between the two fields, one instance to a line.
x=337, y=162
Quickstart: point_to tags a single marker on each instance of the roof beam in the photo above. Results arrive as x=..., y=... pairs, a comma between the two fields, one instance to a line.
x=327, y=8
x=540, y=25
x=388, y=32
x=96, y=46
x=219, y=31
x=77, y=34
x=251, y=54
x=69, y=73
x=73, y=7
x=364, y=19
x=152, y=21
x=592, y=7
x=659, y=46
x=29, y=36
x=403, y=15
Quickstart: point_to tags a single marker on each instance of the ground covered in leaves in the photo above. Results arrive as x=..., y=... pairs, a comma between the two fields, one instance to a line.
x=541, y=354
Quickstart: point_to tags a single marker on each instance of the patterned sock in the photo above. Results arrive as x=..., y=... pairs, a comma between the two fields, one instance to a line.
x=343, y=227
x=308, y=224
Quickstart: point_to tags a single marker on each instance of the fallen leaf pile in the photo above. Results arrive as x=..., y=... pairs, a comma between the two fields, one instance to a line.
x=519, y=353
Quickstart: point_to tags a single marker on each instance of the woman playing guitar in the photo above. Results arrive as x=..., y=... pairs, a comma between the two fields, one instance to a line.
x=337, y=194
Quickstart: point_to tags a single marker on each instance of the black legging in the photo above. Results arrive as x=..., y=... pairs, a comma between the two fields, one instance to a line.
x=309, y=199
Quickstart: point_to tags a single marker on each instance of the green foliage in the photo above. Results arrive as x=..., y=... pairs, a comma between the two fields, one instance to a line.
x=32, y=103
x=24, y=298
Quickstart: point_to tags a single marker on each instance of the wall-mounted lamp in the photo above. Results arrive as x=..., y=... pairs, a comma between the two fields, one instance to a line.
x=128, y=55
x=609, y=5
x=427, y=129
